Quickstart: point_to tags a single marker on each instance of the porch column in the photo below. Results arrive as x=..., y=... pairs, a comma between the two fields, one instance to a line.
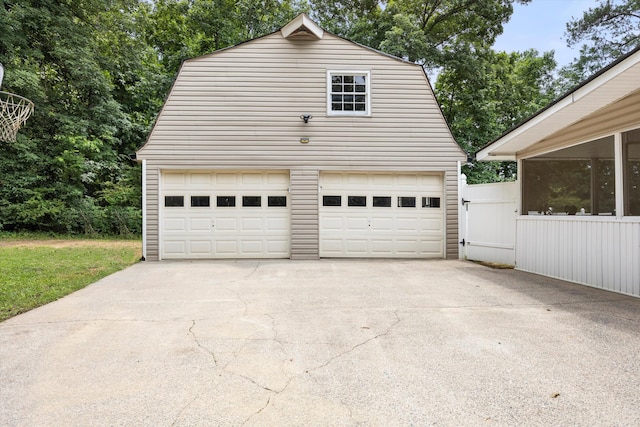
x=619, y=171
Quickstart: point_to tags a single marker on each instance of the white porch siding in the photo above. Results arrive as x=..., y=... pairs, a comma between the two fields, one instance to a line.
x=304, y=214
x=595, y=251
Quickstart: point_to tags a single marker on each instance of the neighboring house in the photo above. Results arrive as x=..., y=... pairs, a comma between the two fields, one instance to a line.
x=300, y=144
x=579, y=182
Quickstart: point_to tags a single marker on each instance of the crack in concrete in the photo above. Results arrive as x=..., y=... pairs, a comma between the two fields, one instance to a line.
x=239, y=298
x=275, y=394
x=183, y=410
x=195, y=339
x=237, y=294
x=365, y=342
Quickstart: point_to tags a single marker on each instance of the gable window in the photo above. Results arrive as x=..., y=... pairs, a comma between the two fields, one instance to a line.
x=348, y=93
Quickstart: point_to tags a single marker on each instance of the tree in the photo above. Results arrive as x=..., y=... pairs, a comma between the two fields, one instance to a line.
x=485, y=93
x=607, y=31
x=434, y=32
x=71, y=144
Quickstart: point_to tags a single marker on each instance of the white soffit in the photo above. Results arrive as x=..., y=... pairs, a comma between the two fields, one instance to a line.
x=612, y=85
x=302, y=25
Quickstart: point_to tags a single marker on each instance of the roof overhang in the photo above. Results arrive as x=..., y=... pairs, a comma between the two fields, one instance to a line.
x=610, y=85
x=302, y=26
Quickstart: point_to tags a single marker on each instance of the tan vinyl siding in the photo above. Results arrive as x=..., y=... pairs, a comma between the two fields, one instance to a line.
x=451, y=218
x=304, y=214
x=153, y=181
x=240, y=109
x=620, y=115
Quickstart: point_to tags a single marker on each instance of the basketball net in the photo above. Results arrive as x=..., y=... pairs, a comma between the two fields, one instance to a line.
x=14, y=111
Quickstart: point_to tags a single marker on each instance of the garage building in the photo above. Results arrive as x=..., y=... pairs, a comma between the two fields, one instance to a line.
x=300, y=144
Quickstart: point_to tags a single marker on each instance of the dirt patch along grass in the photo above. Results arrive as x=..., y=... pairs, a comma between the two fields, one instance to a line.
x=34, y=273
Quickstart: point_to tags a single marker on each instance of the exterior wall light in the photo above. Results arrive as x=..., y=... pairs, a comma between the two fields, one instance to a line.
x=306, y=117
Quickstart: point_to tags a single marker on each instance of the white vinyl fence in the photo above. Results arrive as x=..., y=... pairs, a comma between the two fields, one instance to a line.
x=597, y=251
x=487, y=225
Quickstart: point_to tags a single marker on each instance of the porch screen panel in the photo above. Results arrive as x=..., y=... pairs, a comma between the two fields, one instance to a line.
x=578, y=180
x=631, y=161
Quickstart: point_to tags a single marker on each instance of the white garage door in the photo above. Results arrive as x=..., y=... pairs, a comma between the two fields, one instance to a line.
x=381, y=215
x=224, y=215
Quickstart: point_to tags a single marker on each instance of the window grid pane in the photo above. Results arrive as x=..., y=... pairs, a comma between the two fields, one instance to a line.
x=277, y=201
x=357, y=201
x=200, y=201
x=406, y=202
x=349, y=93
x=174, y=201
x=251, y=201
x=225, y=201
x=331, y=200
x=381, y=202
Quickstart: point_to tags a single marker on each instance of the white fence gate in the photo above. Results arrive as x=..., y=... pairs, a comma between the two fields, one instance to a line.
x=487, y=226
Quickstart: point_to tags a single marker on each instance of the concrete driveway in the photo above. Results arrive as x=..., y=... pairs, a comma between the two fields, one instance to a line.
x=323, y=343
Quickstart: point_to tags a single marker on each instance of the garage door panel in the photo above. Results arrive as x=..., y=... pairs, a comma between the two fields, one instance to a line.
x=174, y=178
x=226, y=179
x=278, y=246
x=277, y=179
x=256, y=227
x=355, y=179
x=384, y=230
x=408, y=180
x=175, y=224
x=431, y=246
x=251, y=224
x=226, y=246
x=252, y=247
x=357, y=247
x=382, y=246
x=333, y=245
x=175, y=246
x=200, y=224
x=408, y=224
x=277, y=224
x=251, y=178
x=331, y=223
x=201, y=247
x=357, y=223
x=200, y=179
x=226, y=224
x=432, y=224
x=382, y=224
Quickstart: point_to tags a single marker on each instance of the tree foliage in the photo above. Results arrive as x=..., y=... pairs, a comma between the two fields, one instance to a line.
x=484, y=94
x=604, y=32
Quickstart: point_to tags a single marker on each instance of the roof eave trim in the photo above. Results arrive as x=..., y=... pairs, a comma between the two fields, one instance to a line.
x=574, y=95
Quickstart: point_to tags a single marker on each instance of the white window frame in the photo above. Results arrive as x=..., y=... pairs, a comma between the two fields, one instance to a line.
x=367, y=93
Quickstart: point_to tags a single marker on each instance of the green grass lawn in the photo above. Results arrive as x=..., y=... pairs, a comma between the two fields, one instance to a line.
x=36, y=272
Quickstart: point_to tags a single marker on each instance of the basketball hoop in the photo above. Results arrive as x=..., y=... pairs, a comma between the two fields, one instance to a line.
x=14, y=111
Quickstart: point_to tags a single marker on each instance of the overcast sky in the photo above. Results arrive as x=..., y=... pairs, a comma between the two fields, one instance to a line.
x=541, y=25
